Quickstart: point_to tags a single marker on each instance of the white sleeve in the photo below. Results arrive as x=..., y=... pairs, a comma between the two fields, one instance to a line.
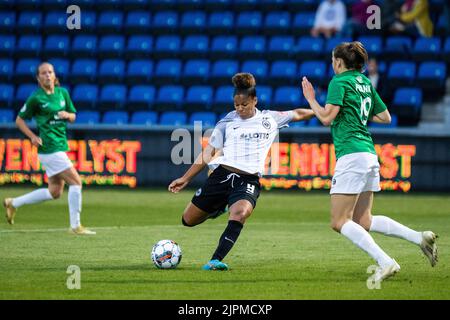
x=282, y=117
x=217, y=138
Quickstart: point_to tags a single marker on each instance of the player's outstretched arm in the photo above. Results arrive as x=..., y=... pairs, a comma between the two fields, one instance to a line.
x=382, y=117
x=327, y=114
x=302, y=114
x=200, y=163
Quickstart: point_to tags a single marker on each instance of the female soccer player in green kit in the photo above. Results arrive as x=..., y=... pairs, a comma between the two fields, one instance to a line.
x=351, y=102
x=52, y=108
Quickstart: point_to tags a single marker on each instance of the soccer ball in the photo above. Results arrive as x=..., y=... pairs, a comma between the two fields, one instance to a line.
x=166, y=254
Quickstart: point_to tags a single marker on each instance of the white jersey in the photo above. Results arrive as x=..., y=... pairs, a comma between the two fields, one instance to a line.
x=245, y=143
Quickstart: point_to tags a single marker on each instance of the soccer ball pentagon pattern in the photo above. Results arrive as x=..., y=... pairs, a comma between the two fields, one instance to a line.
x=166, y=254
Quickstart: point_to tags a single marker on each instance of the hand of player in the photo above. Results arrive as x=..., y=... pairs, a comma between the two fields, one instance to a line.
x=308, y=90
x=36, y=141
x=64, y=115
x=177, y=185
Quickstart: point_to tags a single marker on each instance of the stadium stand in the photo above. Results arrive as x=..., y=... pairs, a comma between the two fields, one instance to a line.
x=150, y=58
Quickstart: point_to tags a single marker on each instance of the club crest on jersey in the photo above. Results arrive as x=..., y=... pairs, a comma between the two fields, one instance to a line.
x=359, y=79
x=266, y=123
x=199, y=192
x=62, y=103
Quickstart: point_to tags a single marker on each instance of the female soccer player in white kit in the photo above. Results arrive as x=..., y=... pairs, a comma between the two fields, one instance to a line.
x=351, y=102
x=52, y=108
x=242, y=139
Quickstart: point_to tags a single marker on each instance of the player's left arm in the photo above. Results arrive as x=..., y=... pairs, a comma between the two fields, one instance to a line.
x=70, y=113
x=380, y=113
x=302, y=114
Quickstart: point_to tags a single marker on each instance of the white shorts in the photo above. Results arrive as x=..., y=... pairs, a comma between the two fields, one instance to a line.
x=55, y=163
x=355, y=173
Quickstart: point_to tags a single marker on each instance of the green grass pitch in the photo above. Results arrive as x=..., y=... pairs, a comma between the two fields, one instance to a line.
x=286, y=250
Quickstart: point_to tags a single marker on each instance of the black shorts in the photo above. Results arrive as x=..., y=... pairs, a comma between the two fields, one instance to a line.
x=224, y=187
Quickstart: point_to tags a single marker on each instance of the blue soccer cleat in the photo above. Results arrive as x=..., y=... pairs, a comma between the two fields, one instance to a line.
x=215, y=265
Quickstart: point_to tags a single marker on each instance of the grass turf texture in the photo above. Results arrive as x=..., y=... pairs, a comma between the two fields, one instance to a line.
x=286, y=250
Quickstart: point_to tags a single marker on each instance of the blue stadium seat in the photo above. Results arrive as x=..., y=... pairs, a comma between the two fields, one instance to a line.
x=167, y=47
x=85, y=96
x=138, y=22
x=147, y=118
x=111, y=70
x=315, y=71
x=112, y=97
x=277, y=22
x=286, y=98
x=373, y=45
x=6, y=69
x=393, y=124
x=253, y=46
x=427, y=49
x=7, y=45
x=139, y=71
x=88, y=117
x=6, y=115
x=223, y=47
x=441, y=26
x=61, y=67
x=173, y=118
x=23, y=92
x=401, y=73
x=259, y=68
x=207, y=119
x=6, y=95
x=167, y=71
x=221, y=22
x=223, y=99
x=407, y=103
x=110, y=22
x=195, y=71
x=57, y=46
x=169, y=97
x=139, y=47
x=88, y=20
x=431, y=76
x=7, y=21
x=303, y=23
x=55, y=21
x=193, y=22
x=281, y=47
x=309, y=47
x=198, y=98
x=141, y=97
x=111, y=46
x=84, y=46
x=298, y=124
x=264, y=94
x=223, y=70
x=284, y=71
x=195, y=46
x=26, y=70
x=165, y=22
x=115, y=117
x=249, y=22
x=314, y=122
x=84, y=70
x=29, y=21
x=397, y=47
x=29, y=46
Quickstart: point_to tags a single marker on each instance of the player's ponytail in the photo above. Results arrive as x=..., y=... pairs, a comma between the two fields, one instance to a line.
x=353, y=54
x=244, y=83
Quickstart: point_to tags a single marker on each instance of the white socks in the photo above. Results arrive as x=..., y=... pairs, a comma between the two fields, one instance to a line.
x=360, y=237
x=35, y=196
x=74, y=205
x=389, y=227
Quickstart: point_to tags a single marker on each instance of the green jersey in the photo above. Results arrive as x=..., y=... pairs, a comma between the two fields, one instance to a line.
x=354, y=93
x=44, y=108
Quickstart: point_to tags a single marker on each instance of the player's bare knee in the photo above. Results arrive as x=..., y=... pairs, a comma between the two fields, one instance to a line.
x=56, y=193
x=240, y=215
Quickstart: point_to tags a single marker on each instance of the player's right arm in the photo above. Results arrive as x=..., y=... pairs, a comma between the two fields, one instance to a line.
x=27, y=112
x=200, y=163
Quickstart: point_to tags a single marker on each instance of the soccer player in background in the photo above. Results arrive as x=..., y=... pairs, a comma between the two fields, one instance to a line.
x=52, y=108
x=351, y=102
x=242, y=139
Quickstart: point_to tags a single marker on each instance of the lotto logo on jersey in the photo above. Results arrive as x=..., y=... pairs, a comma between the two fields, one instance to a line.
x=250, y=188
x=256, y=135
